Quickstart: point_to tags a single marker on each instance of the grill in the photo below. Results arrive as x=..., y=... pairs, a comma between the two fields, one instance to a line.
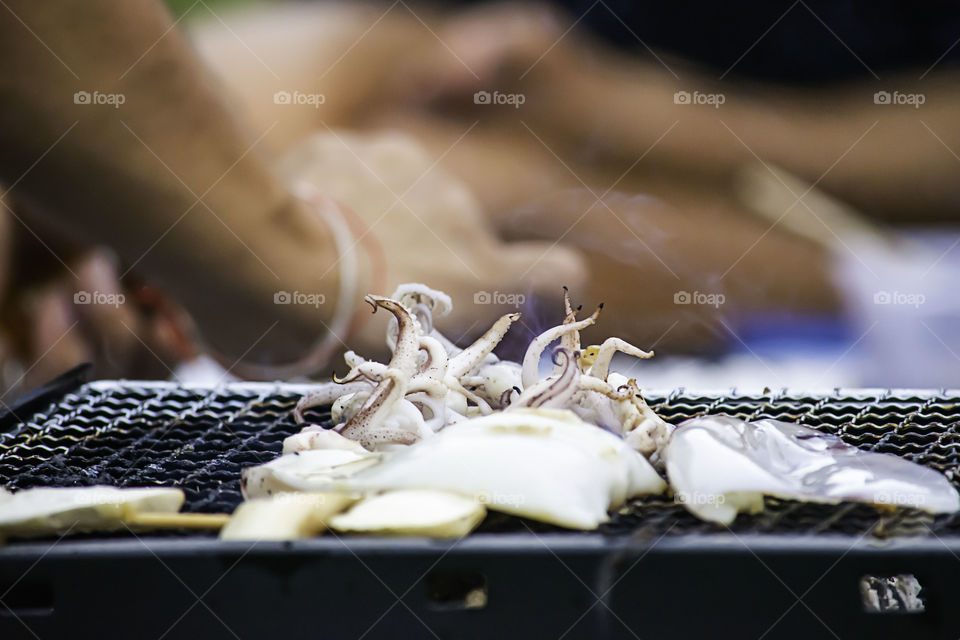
x=199, y=439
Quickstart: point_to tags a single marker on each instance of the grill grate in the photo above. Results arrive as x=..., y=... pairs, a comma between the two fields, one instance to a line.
x=148, y=433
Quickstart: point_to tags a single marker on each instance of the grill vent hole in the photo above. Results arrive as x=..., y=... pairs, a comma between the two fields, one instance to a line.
x=26, y=599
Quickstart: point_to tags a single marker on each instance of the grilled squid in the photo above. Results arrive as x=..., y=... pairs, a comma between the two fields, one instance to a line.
x=430, y=383
x=720, y=466
x=564, y=449
x=385, y=417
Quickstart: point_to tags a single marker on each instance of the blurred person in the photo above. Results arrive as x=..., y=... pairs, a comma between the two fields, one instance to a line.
x=601, y=152
x=600, y=156
x=114, y=135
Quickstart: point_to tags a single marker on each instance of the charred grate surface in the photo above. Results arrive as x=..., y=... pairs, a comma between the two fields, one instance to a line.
x=141, y=434
x=136, y=434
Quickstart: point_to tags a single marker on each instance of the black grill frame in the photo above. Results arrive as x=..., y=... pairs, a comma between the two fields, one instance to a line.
x=654, y=553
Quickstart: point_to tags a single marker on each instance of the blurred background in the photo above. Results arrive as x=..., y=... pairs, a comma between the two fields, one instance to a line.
x=766, y=193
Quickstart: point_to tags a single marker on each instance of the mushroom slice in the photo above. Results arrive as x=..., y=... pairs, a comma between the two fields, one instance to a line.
x=48, y=510
x=543, y=464
x=719, y=466
x=285, y=516
x=305, y=470
x=434, y=514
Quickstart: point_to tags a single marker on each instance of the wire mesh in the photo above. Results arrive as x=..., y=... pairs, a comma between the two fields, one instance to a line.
x=146, y=433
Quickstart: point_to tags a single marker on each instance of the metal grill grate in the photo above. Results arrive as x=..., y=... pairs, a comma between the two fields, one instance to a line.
x=148, y=433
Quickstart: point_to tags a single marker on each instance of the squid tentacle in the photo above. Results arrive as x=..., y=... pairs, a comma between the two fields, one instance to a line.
x=393, y=385
x=569, y=341
x=555, y=391
x=531, y=359
x=325, y=394
x=601, y=365
x=468, y=359
x=372, y=371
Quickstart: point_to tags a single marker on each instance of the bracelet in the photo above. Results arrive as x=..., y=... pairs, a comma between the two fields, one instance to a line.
x=348, y=230
x=378, y=264
x=343, y=317
x=343, y=239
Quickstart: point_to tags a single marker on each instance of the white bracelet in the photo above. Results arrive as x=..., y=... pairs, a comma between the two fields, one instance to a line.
x=323, y=349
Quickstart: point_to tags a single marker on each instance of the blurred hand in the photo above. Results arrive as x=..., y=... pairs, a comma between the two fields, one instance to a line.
x=476, y=45
x=60, y=321
x=431, y=229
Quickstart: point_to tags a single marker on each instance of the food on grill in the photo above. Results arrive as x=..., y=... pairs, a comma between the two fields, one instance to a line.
x=443, y=418
x=284, y=516
x=720, y=466
x=430, y=383
x=59, y=510
x=435, y=514
x=543, y=464
x=316, y=437
x=310, y=470
x=565, y=449
x=547, y=465
x=151, y=520
x=422, y=389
